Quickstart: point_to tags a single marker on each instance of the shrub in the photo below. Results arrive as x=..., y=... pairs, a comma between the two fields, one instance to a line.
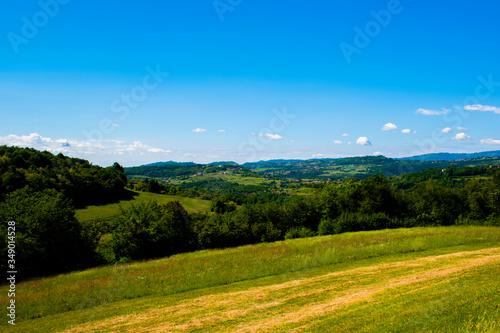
x=150, y=230
x=299, y=233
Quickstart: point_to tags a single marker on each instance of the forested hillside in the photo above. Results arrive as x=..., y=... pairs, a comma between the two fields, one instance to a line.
x=38, y=192
x=77, y=179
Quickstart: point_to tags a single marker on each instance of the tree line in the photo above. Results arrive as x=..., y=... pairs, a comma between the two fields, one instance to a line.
x=151, y=230
x=50, y=240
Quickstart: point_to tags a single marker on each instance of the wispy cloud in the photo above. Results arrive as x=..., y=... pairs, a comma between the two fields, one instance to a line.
x=484, y=108
x=363, y=141
x=345, y=135
x=221, y=131
x=461, y=136
x=406, y=131
x=389, y=127
x=199, y=130
x=446, y=130
x=271, y=136
x=490, y=142
x=337, y=142
x=80, y=148
x=462, y=129
x=427, y=112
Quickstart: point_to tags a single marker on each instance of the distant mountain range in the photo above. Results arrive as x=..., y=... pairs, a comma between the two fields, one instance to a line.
x=423, y=158
x=452, y=156
x=170, y=163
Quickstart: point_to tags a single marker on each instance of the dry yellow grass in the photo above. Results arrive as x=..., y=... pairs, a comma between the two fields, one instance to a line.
x=269, y=308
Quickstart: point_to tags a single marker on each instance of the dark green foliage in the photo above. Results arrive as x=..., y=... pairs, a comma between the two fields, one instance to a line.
x=219, y=231
x=48, y=237
x=79, y=180
x=151, y=230
x=299, y=233
x=303, y=212
x=97, y=235
x=435, y=204
x=222, y=205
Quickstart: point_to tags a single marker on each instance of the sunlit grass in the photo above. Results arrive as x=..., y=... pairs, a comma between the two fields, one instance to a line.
x=111, y=210
x=109, y=291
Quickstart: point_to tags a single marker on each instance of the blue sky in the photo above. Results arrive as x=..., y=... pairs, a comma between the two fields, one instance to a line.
x=249, y=80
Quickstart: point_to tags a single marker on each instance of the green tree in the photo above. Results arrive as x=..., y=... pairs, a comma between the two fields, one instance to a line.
x=151, y=230
x=48, y=236
x=435, y=204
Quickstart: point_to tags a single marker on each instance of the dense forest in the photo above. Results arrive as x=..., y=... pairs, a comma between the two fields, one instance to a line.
x=77, y=179
x=39, y=191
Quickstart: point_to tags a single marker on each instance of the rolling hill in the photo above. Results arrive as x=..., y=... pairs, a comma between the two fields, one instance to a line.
x=323, y=169
x=406, y=280
x=452, y=157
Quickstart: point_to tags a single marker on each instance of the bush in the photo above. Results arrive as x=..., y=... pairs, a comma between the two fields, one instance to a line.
x=150, y=230
x=328, y=227
x=299, y=233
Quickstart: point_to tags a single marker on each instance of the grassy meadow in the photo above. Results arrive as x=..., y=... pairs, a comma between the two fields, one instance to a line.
x=113, y=209
x=407, y=280
x=229, y=176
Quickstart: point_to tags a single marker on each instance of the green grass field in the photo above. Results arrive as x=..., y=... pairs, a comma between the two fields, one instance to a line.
x=408, y=280
x=229, y=177
x=110, y=210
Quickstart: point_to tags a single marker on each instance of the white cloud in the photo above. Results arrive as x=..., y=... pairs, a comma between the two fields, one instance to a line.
x=377, y=153
x=463, y=129
x=446, y=130
x=221, y=131
x=485, y=108
x=461, y=136
x=77, y=148
x=427, y=112
x=406, y=131
x=199, y=130
x=115, y=125
x=345, y=134
x=490, y=142
x=363, y=141
x=318, y=155
x=337, y=142
x=389, y=127
x=292, y=141
x=349, y=143
x=271, y=136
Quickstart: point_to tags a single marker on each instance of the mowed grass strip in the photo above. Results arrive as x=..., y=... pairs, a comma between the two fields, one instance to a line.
x=311, y=304
x=72, y=300
x=111, y=210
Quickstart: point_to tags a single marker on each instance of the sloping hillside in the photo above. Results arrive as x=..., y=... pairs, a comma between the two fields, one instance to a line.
x=422, y=279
